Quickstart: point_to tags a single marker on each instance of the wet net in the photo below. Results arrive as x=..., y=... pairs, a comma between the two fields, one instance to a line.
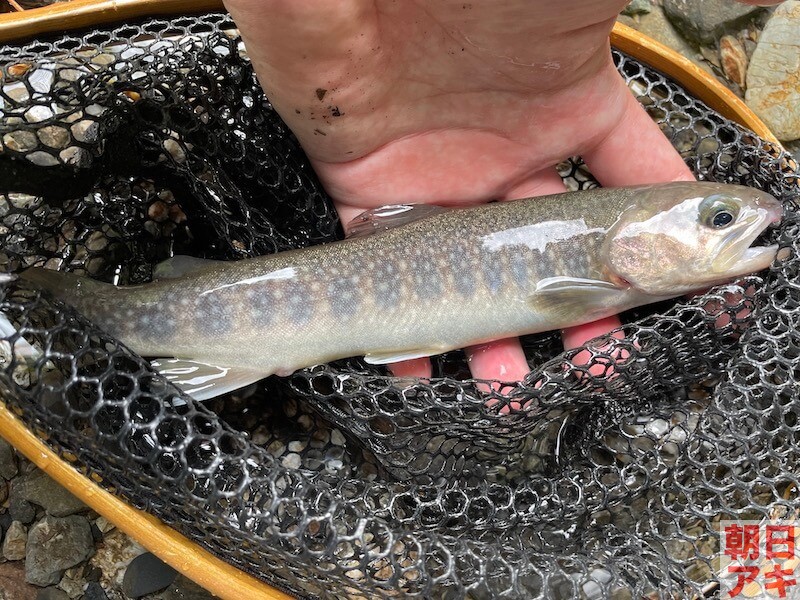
x=122, y=146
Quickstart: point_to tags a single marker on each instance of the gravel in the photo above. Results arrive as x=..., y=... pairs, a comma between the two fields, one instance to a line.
x=68, y=552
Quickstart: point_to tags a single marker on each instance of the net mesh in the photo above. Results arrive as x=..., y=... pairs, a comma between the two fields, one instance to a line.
x=122, y=146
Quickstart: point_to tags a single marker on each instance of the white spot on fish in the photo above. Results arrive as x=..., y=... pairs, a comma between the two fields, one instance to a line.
x=261, y=301
x=298, y=306
x=342, y=296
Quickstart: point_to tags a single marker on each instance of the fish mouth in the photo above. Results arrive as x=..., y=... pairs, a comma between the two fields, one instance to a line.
x=737, y=255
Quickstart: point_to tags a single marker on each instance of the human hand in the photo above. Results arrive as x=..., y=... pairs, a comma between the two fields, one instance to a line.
x=446, y=102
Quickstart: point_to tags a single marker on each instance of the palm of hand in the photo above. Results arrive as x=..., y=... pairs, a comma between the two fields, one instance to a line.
x=445, y=102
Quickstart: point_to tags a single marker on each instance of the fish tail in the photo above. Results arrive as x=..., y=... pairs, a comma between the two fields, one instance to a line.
x=72, y=289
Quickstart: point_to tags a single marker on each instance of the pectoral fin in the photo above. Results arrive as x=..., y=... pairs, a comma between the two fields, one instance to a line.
x=201, y=380
x=384, y=358
x=570, y=298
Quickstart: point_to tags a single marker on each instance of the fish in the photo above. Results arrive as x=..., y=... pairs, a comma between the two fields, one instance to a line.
x=415, y=281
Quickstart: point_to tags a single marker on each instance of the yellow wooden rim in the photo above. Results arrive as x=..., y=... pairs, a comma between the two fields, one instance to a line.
x=215, y=575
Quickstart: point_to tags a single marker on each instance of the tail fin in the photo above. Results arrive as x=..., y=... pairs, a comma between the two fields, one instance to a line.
x=73, y=289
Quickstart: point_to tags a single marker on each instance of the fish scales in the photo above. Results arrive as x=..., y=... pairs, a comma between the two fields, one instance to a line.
x=460, y=277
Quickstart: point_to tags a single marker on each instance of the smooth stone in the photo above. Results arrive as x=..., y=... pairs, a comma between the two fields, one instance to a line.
x=39, y=489
x=773, y=78
x=94, y=591
x=705, y=21
x=8, y=460
x=733, y=59
x=147, y=574
x=15, y=541
x=52, y=593
x=20, y=140
x=12, y=583
x=54, y=136
x=54, y=545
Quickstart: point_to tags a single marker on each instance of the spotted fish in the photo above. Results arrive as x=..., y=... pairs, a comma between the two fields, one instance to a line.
x=418, y=281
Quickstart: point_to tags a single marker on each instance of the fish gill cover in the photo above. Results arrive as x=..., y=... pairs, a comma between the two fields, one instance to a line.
x=122, y=146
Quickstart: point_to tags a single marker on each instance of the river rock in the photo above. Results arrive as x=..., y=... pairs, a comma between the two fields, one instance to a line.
x=73, y=581
x=94, y=591
x=113, y=557
x=147, y=574
x=705, y=21
x=773, y=78
x=8, y=460
x=52, y=593
x=54, y=545
x=12, y=582
x=39, y=489
x=733, y=59
x=14, y=542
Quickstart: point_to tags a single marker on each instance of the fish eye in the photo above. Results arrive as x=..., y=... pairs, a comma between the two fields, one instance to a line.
x=718, y=211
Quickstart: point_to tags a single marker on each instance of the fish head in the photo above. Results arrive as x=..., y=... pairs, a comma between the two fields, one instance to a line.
x=687, y=236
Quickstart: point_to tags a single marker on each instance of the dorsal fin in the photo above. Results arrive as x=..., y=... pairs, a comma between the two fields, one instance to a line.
x=390, y=216
x=179, y=265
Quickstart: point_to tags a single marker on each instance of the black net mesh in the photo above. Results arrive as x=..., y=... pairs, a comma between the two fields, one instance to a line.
x=123, y=146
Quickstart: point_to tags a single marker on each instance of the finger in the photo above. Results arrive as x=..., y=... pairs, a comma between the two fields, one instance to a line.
x=575, y=337
x=635, y=151
x=501, y=360
x=416, y=367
